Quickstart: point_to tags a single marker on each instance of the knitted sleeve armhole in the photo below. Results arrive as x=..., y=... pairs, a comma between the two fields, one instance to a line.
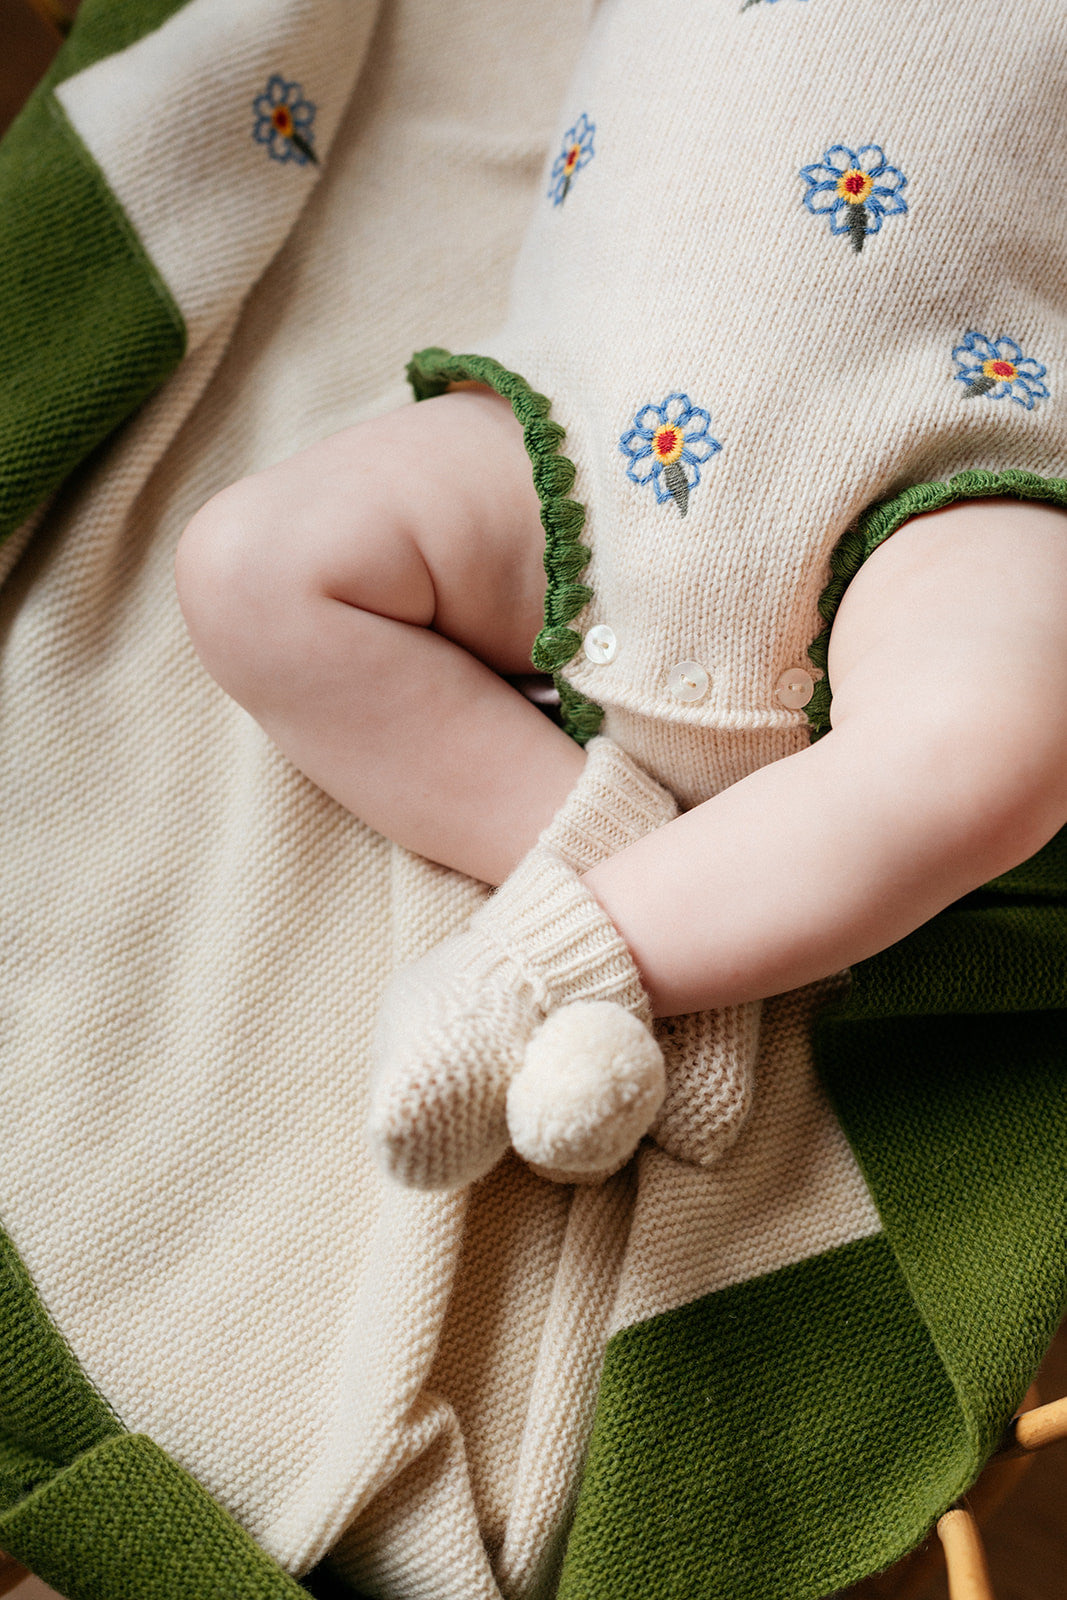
x=430, y=373
x=876, y=525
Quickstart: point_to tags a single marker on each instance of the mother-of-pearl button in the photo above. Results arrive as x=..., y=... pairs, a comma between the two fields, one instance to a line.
x=601, y=644
x=688, y=681
x=795, y=688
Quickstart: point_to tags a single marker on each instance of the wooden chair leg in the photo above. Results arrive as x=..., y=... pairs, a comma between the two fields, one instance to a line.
x=1034, y=1429
x=961, y=1543
x=965, y=1562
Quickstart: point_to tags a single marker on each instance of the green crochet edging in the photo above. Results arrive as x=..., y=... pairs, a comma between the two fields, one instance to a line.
x=430, y=373
x=884, y=518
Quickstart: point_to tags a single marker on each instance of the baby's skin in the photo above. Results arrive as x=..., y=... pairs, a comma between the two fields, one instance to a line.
x=366, y=618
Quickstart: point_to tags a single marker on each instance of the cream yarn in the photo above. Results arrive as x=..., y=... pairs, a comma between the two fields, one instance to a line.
x=454, y=1028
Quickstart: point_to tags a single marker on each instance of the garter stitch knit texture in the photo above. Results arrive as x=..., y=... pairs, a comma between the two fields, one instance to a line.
x=793, y=381
x=227, y=1346
x=453, y=1030
x=438, y=1119
x=195, y=940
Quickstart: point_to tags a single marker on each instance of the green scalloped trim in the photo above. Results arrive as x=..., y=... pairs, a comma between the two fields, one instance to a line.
x=884, y=518
x=429, y=373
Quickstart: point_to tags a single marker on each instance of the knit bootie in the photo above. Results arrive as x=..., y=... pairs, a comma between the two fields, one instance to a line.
x=711, y=1080
x=454, y=1027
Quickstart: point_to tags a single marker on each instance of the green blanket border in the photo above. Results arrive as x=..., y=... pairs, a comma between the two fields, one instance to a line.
x=90, y=330
x=790, y=1435
x=124, y=1522
x=97, y=1512
x=774, y=1441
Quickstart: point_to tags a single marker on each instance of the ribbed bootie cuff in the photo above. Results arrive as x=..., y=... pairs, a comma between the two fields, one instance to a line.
x=613, y=804
x=565, y=944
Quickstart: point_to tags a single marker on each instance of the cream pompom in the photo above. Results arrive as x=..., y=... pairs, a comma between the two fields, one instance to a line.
x=591, y=1084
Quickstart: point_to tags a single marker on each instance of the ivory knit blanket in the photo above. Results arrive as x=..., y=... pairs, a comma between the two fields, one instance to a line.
x=232, y=1359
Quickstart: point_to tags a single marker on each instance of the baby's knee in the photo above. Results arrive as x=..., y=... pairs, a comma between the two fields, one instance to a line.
x=233, y=585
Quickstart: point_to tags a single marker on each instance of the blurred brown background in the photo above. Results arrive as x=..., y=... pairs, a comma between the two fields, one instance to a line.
x=30, y=34
x=1027, y=1537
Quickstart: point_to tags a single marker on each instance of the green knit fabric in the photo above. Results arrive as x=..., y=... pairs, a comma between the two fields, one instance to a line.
x=790, y=1435
x=566, y=557
x=48, y=1411
x=773, y=1441
x=103, y=27
x=99, y=1513
x=123, y=1522
x=89, y=329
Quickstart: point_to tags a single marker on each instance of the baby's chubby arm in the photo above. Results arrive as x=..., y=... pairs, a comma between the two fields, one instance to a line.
x=946, y=765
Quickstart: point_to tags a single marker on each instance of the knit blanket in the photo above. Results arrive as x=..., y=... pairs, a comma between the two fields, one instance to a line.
x=233, y=1360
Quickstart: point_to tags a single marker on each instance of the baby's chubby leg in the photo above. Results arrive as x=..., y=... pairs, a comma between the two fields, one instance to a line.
x=361, y=600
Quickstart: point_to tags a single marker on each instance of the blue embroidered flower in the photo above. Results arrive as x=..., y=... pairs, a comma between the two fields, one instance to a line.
x=667, y=447
x=283, y=122
x=855, y=189
x=998, y=368
x=748, y=3
x=577, y=150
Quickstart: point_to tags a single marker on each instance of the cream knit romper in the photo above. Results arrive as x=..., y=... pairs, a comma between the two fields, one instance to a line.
x=793, y=258
x=799, y=270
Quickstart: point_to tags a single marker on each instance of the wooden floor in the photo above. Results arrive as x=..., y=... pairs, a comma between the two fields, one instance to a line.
x=1027, y=1538
x=27, y=44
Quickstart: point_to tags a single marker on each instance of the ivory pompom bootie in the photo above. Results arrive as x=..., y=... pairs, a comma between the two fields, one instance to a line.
x=454, y=1028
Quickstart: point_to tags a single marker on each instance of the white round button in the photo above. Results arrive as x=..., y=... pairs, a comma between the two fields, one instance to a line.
x=795, y=688
x=688, y=681
x=601, y=645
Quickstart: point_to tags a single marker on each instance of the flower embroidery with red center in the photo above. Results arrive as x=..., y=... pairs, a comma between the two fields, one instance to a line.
x=284, y=122
x=855, y=190
x=668, y=443
x=854, y=186
x=575, y=152
x=997, y=369
x=667, y=446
